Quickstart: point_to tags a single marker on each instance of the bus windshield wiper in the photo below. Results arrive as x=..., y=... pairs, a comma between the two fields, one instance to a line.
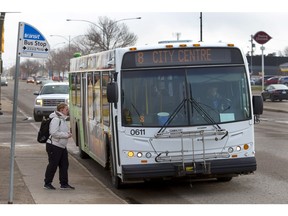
x=197, y=107
x=203, y=113
x=175, y=112
x=207, y=117
x=172, y=116
x=139, y=115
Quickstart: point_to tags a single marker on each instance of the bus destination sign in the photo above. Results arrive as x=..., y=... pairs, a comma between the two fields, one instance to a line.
x=187, y=56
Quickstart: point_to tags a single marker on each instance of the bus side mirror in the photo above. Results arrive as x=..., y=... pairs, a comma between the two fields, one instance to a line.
x=112, y=92
x=257, y=105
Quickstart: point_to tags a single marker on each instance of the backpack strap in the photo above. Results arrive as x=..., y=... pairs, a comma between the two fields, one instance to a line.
x=50, y=137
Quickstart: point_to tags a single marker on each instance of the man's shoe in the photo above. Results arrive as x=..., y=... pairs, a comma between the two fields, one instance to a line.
x=65, y=187
x=49, y=187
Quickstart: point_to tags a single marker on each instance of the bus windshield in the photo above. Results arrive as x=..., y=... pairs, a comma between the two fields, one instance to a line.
x=184, y=96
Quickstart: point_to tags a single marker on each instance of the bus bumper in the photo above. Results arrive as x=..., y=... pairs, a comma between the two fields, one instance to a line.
x=210, y=168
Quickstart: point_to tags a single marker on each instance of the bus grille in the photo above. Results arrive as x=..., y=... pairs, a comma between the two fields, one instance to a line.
x=52, y=102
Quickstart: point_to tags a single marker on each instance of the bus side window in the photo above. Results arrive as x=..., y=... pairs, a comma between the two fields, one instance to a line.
x=73, y=88
x=97, y=97
x=90, y=95
x=104, y=101
x=78, y=90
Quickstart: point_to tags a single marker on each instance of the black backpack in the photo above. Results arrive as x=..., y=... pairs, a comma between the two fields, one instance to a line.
x=43, y=133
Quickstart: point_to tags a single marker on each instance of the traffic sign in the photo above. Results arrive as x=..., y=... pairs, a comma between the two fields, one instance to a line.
x=261, y=37
x=31, y=42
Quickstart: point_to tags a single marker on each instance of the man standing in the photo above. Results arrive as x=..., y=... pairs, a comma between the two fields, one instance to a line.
x=56, y=148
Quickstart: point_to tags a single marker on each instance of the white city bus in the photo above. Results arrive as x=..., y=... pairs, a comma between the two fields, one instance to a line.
x=145, y=112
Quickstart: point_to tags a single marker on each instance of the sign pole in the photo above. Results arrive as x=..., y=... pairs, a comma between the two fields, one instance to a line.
x=14, y=117
x=30, y=43
x=262, y=37
x=262, y=66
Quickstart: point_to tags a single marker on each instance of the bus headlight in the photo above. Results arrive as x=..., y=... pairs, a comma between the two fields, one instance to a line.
x=139, y=154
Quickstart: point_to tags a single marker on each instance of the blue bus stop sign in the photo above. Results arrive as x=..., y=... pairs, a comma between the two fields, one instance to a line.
x=32, y=43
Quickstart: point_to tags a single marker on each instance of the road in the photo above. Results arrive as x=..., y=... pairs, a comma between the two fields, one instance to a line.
x=268, y=185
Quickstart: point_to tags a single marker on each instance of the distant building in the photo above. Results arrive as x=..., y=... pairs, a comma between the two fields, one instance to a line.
x=271, y=65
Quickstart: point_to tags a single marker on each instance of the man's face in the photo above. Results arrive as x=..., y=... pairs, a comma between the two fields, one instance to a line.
x=213, y=92
x=65, y=111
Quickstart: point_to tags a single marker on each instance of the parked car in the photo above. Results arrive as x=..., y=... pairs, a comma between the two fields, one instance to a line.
x=271, y=80
x=50, y=95
x=30, y=80
x=259, y=80
x=253, y=80
x=4, y=81
x=283, y=80
x=275, y=92
x=57, y=78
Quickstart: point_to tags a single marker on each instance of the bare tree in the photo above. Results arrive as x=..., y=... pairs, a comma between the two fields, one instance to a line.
x=58, y=61
x=29, y=68
x=285, y=51
x=107, y=34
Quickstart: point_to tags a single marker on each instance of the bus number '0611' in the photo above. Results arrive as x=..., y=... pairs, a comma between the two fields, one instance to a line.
x=137, y=132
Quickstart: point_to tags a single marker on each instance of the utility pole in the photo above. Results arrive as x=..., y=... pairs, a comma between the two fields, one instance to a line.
x=252, y=51
x=201, y=27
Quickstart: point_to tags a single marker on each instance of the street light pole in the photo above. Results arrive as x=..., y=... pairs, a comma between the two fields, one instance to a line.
x=92, y=23
x=124, y=20
x=65, y=38
x=69, y=39
x=80, y=20
x=69, y=42
x=58, y=44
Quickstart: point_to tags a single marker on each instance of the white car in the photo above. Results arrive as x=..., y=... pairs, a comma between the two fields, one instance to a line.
x=4, y=81
x=50, y=95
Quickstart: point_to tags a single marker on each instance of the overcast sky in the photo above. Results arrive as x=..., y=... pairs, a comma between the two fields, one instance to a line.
x=223, y=20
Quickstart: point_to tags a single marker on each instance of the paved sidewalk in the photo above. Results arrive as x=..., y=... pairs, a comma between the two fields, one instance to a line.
x=29, y=167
